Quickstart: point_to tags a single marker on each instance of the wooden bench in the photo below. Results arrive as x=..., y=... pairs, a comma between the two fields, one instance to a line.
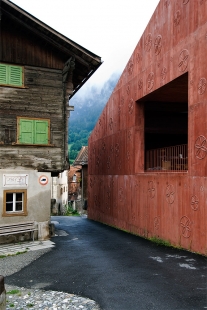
x=18, y=228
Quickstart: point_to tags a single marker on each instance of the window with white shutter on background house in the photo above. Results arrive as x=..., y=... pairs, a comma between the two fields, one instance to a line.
x=11, y=75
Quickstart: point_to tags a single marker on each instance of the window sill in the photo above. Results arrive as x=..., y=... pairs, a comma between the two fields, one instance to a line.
x=14, y=86
x=25, y=144
x=14, y=214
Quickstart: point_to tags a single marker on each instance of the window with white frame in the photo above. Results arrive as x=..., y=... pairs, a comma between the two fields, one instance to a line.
x=74, y=178
x=15, y=202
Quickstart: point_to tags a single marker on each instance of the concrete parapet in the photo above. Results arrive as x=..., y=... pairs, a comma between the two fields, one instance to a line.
x=43, y=231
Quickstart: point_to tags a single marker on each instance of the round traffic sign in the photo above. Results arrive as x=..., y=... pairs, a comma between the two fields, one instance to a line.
x=43, y=179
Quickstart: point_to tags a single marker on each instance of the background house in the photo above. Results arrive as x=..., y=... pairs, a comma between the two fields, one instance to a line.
x=74, y=187
x=82, y=160
x=59, y=193
x=147, y=152
x=78, y=180
x=40, y=70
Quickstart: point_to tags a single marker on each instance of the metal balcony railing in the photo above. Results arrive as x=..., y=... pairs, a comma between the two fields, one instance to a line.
x=167, y=158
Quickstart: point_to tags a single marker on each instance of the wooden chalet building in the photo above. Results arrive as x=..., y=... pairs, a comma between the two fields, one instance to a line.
x=148, y=150
x=40, y=70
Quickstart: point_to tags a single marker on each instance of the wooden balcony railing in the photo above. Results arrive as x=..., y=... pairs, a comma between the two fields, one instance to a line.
x=167, y=159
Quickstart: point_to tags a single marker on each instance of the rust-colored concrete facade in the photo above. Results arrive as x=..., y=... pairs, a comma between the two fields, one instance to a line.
x=167, y=71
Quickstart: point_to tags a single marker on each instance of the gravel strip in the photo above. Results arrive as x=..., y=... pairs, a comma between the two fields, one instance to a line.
x=12, y=264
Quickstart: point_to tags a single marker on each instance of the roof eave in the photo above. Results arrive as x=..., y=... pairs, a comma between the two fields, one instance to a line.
x=56, y=35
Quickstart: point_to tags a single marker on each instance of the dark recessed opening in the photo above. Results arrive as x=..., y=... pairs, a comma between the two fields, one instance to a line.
x=166, y=126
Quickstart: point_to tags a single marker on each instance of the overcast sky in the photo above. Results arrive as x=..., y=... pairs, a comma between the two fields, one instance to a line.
x=109, y=28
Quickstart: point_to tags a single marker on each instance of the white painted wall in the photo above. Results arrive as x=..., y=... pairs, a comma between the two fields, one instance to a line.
x=59, y=192
x=38, y=196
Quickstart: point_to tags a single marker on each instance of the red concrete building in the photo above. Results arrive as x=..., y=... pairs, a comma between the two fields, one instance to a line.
x=147, y=152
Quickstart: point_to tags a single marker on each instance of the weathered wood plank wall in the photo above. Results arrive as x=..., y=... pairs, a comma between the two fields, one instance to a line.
x=42, y=97
x=22, y=46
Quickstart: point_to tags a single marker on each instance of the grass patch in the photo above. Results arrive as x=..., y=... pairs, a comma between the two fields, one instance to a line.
x=30, y=305
x=159, y=241
x=17, y=253
x=2, y=256
x=13, y=292
x=70, y=212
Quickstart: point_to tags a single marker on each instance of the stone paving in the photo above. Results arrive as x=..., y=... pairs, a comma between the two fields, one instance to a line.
x=16, y=248
x=22, y=298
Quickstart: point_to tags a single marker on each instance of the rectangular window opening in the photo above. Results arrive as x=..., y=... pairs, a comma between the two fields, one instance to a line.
x=166, y=127
x=15, y=202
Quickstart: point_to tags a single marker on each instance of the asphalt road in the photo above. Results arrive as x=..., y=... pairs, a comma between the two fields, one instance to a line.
x=116, y=269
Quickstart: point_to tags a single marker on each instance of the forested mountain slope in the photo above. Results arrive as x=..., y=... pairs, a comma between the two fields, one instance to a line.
x=88, y=105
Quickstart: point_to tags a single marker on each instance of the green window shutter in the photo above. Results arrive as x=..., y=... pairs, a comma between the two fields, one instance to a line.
x=32, y=131
x=3, y=74
x=41, y=132
x=15, y=75
x=26, y=131
x=11, y=75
